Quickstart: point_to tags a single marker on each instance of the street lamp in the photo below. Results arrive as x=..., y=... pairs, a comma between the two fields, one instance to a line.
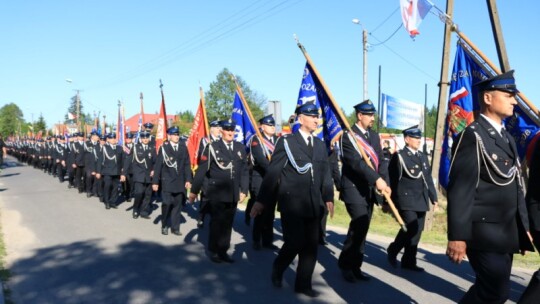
x=364, y=44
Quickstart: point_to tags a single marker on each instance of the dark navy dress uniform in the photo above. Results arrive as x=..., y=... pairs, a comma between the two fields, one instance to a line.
x=204, y=207
x=141, y=162
x=78, y=160
x=486, y=204
x=532, y=293
x=358, y=192
x=301, y=185
x=90, y=165
x=412, y=190
x=172, y=170
x=226, y=171
x=109, y=165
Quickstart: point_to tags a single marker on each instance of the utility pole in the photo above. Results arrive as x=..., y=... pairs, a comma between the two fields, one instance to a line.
x=364, y=57
x=441, y=110
x=498, y=36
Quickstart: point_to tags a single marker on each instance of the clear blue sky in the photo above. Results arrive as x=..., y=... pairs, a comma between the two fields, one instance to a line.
x=116, y=49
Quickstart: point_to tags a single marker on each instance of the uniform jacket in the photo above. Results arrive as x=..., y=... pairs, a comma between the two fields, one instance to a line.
x=411, y=181
x=223, y=185
x=90, y=156
x=172, y=169
x=533, y=190
x=300, y=195
x=259, y=163
x=357, y=178
x=489, y=217
x=78, y=153
x=110, y=160
x=141, y=163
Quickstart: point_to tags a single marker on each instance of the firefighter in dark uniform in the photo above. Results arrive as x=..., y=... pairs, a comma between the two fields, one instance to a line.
x=532, y=293
x=215, y=135
x=358, y=187
x=141, y=164
x=109, y=168
x=60, y=152
x=487, y=214
x=261, y=151
x=70, y=160
x=299, y=179
x=78, y=161
x=412, y=191
x=224, y=164
x=173, y=170
x=148, y=128
x=91, y=149
x=127, y=186
x=99, y=182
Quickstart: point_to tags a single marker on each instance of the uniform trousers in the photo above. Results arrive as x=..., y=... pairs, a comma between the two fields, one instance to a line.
x=142, y=196
x=263, y=225
x=414, y=220
x=492, y=284
x=79, y=176
x=170, y=209
x=300, y=237
x=352, y=254
x=60, y=171
x=221, y=222
x=532, y=293
x=110, y=189
x=90, y=183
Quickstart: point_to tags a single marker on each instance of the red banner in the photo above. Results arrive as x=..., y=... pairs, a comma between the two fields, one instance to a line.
x=161, y=134
x=198, y=132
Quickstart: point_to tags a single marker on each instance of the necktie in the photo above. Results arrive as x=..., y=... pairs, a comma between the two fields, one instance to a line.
x=310, y=144
x=504, y=134
x=366, y=134
x=144, y=147
x=229, y=146
x=175, y=148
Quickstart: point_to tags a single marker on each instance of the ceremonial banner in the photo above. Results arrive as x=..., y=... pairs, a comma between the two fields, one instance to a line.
x=161, y=133
x=199, y=130
x=141, y=121
x=397, y=113
x=412, y=14
x=312, y=90
x=245, y=128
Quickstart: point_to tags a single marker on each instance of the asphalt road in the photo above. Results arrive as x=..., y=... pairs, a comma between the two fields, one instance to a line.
x=65, y=248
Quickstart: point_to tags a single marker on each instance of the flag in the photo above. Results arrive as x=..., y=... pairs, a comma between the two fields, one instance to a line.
x=141, y=120
x=412, y=14
x=461, y=105
x=71, y=116
x=397, y=113
x=199, y=130
x=524, y=130
x=312, y=90
x=161, y=134
x=245, y=128
x=121, y=127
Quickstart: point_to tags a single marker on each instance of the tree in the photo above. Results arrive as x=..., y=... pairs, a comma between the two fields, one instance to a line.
x=186, y=116
x=40, y=124
x=220, y=97
x=11, y=119
x=73, y=109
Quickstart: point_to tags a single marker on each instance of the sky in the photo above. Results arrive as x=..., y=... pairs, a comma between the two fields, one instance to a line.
x=114, y=50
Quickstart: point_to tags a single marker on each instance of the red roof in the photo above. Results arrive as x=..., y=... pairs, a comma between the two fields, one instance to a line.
x=132, y=123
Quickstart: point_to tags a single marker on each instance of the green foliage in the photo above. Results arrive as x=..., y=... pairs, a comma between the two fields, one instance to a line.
x=40, y=124
x=220, y=97
x=11, y=119
x=186, y=116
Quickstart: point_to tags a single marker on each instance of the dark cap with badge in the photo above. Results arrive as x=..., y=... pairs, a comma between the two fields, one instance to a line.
x=173, y=131
x=111, y=135
x=267, y=120
x=103, y=137
x=504, y=82
x=94, y=133
x=228, y=124
x=144, y=134
x=214, y=124
x=148, y=125
x=129, y=135
x=365, y=107
x=413, y=132
x=308, y=108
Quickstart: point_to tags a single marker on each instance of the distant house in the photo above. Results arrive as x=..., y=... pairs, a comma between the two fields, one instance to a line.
x=132, y=123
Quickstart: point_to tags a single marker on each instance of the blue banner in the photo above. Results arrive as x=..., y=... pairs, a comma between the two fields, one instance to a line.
x=397, y=113
x=312, y=90
x=524, y=130
x=244, y=126
x=461, y=105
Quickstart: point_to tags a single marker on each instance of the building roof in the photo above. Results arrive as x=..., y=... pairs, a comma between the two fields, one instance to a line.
x=132, y=123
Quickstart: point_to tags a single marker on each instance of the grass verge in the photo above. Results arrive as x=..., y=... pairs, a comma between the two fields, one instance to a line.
x=5, y=274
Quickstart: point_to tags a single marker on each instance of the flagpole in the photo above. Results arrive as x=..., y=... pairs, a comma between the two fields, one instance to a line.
x=206, y=127
x=246, y=107
x=348, y=127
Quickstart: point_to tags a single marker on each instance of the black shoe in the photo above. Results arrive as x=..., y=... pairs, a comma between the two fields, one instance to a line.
x=70, y=186
x=145, y=216
x=225, y=258
x=360, y=276
x=200, y=223
x=348, y=275
x=391, y=257
x=107, y=206
x=412, y=267
x=214, y=257
x=88, y=194
x=276, y=278
x=164, y=230
x=135, y=215
x=128, y=200
x=270, y=246
x=176, y=232
x=257, y=246
x=114, y=206
x=308, y=292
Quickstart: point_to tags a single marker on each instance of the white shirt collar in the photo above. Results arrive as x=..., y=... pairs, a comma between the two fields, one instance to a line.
x=360, y=127
x=305, y=135
x=494, y=124
x=411, y=149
